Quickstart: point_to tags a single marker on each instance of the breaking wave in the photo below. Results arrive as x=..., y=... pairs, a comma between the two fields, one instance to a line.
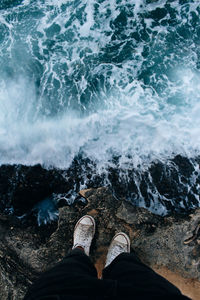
x=116, y=83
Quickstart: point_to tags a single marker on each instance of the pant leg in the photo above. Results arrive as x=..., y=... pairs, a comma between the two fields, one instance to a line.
x=136, y=279
x=73, y=278
x=75, y=275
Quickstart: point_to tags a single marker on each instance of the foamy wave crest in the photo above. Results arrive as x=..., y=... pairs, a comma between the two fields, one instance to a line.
x=134, y=128
x=115, y=82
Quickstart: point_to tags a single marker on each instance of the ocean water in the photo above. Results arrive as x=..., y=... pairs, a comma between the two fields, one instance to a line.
x=113, y=86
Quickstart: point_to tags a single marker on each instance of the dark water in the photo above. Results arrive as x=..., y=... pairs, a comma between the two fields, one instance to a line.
x=108, y=91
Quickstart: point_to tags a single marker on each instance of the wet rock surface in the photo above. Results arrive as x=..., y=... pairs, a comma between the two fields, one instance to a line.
x=27, y=251
x=164, y=188
x=22, y=187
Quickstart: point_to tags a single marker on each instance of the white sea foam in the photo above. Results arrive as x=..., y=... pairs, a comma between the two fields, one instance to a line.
x=133, y=126
x=75, y=79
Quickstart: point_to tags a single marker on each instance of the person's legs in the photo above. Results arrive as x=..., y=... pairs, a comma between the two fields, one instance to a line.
x=135, y=278
x=132, y=276
x=75, y=275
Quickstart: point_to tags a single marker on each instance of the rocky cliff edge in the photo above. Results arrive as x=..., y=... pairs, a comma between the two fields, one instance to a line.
x=170, y=245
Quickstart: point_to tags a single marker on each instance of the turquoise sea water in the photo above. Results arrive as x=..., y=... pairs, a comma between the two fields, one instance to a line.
x=115, y=82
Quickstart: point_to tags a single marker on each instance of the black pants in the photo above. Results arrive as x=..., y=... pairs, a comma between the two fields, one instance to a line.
x=125, y=278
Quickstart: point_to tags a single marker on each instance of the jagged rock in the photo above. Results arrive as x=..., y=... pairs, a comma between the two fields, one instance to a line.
x=21, y=187
x=162, y=187
x=158, y=241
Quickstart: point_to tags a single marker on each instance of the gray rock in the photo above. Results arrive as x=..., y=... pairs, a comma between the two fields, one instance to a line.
x=159, y=242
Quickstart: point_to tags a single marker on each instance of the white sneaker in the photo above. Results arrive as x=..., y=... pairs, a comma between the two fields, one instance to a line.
x=83, y=233
x=119, y=244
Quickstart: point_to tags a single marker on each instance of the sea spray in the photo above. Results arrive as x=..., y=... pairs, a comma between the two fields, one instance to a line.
x=115, y=84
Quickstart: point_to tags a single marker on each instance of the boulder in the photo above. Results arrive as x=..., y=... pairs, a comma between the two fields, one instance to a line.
x=170, y=245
